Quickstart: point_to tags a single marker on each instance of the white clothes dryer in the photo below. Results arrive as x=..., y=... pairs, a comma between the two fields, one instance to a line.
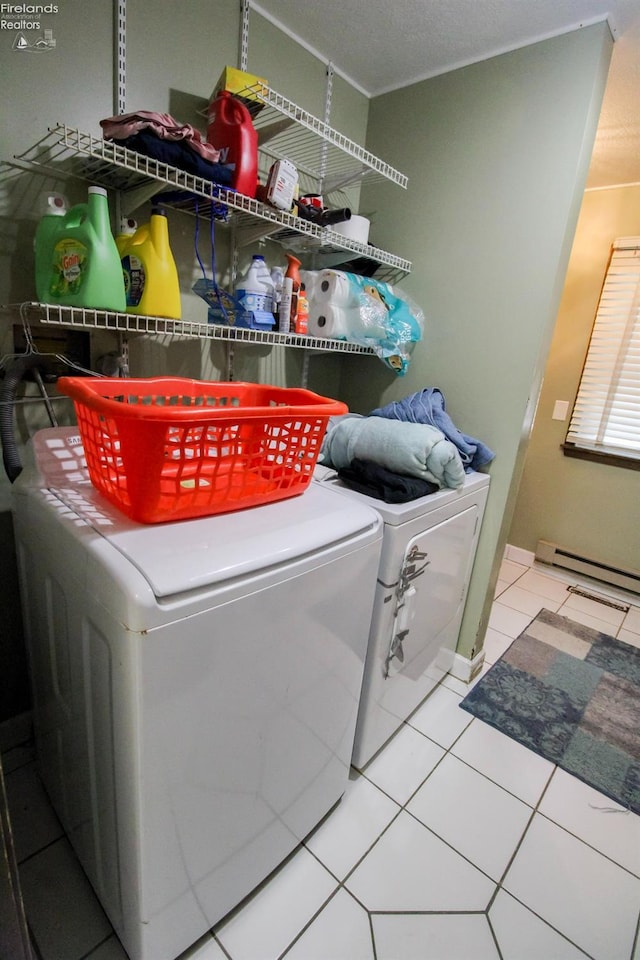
x=195, y=686
x=428, y=552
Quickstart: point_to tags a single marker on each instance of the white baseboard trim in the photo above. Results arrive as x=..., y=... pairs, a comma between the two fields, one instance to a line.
x=518, y=555
x=465, y=669
x=16, y=731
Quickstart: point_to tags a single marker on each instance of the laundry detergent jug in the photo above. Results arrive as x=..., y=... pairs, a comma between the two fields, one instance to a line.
x=150, y=274
x=55, y=207
x=128, y=227
x=255, y=294
x=230, y=130
x=84, y=270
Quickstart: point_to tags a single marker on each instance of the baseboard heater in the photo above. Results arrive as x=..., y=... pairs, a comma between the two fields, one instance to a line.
x=557, y=556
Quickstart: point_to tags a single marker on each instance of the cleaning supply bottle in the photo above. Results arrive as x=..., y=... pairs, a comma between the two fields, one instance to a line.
x=265, y=275
x=302, y=315
x=149, y=270
x=230, y=130
x=290, y=290
x=85, y=268
x=128, y=227
x=257, y=281
x=55, y=206
x=277, y=278
x=255, y=293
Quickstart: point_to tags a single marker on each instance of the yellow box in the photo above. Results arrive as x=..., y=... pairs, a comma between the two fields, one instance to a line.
x=246, y=86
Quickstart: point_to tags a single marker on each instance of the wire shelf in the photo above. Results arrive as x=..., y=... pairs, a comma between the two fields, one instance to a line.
x=318, y=150
x=79, y=317
x=68, y=152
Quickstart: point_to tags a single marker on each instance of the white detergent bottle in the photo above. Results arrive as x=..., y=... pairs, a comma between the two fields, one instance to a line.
x=255, y=289
x=265, y=276
x=128, y=227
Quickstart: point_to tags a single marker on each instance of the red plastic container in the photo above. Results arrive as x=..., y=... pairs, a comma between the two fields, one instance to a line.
x=166, y=448
x=230, y=129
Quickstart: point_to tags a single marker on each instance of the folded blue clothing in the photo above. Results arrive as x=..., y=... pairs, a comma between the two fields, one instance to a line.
x=185, y=199
x=428, y=406
x=178, y=154
x=376, y=481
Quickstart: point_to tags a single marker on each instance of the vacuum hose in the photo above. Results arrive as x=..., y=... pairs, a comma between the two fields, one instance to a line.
x=13, y=376
x=324, y=218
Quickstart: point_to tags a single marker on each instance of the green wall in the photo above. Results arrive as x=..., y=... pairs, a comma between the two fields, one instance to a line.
x=589, y=508
x=497, y=156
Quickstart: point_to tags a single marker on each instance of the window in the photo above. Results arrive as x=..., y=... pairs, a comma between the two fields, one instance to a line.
x=605, y=423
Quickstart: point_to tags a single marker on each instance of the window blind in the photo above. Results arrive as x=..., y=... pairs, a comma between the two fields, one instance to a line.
x=606, y=413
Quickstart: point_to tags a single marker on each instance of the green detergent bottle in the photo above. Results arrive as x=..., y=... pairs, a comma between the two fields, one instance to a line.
x=55, y=207
x=85, y=269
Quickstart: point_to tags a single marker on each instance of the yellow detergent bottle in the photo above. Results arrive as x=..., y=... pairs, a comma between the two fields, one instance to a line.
x=150, y=274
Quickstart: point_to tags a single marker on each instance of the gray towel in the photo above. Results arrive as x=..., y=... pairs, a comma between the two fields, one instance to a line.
x=413, y=449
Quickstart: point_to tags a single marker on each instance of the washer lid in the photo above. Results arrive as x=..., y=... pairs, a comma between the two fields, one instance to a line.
x=191, y=554
x=398, y=513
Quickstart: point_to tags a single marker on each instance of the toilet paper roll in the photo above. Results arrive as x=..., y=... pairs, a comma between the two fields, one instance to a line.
x=333, y=286
x=327, y=320
x=310, y=280
x=355, y=228
x=343, y=323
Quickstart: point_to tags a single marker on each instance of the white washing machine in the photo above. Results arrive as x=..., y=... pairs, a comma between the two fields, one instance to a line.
x=195, y=685
x=428, y=551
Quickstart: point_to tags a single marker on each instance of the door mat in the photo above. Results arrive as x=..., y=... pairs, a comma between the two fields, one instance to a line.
x=572, y=695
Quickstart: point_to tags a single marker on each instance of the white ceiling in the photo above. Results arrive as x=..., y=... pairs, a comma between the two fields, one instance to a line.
x=382, y=45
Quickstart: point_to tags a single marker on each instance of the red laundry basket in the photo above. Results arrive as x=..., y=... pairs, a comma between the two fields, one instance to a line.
x=167, y=448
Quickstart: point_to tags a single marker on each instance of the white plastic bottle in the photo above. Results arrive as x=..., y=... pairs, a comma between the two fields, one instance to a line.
x=265, y=276
x=277, y=278
x=255, y=288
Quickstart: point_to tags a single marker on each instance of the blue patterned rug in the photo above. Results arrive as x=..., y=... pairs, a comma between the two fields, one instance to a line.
x=572, y=695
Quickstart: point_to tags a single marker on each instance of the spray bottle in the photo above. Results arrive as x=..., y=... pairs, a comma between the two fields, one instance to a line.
x=290, y=290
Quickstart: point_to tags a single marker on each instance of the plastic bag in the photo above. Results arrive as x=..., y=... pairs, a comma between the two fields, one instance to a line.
x=347, y=306
x=402, y=322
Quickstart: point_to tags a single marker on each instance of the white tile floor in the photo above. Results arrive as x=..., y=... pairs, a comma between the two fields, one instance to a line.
x=455, y=844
